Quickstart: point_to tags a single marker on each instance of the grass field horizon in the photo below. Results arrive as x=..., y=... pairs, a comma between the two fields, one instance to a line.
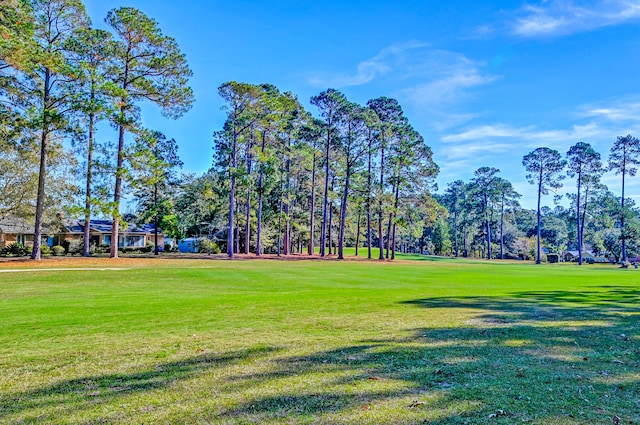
x=438, y=341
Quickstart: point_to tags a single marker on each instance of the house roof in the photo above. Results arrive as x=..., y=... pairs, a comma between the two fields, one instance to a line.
x=16, y=225
x=105, y=226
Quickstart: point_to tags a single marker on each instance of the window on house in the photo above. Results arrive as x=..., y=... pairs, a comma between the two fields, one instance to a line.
x=135, y=241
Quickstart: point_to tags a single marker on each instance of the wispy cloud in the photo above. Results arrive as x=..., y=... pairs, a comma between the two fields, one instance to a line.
x=448, y=79
x=563, y=17
x=389, y=59
x=625, y=109
x=432, y=81
x=531, y=136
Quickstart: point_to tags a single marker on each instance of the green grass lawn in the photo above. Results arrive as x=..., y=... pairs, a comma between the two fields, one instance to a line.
x=321, y=342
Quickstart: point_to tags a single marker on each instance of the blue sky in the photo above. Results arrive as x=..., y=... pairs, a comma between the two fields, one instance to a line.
x=484, y=82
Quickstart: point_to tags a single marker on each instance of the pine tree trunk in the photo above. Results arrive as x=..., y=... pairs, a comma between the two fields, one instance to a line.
x=323, y=233
x=42, y=172
x=247, y=226
x=287, y=205
x=87, y=199
x=539, y=249
x=115, y=226
x=260, y=194
x=343, y=213
x=330, y=220
x=313, y=205
x=623, y=252
x=232, y=194
x=578, y=221
x=380, y=212
x=358, y=231
x=502, y=229
x=395, y=209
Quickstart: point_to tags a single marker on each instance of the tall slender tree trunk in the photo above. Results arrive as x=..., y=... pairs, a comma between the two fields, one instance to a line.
x=455, y=230
x=260, y=194
x=237, y=227
x=380, y=212
x=465, y=252
x=393, y=189
x=502, y=229
x=280, y=208
x=578, y=221
x=487, y=227
x=323, y=233
x=117, y=192
x=232, y=192
x=539, y=249
x=156, y=250
x=623, y=251
x=584, y=213
x=117, y=195
x=330, y=219
x=358, y=231
x=395, y=211
x=287, y=205
x=87, y=199
x=369, y=188
x=247, y=226
x=313, y=205
x=42, y=173
x=343, y=213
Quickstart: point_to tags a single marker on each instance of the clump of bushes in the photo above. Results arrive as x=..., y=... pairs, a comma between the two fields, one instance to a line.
x=45, y=250
x=58, y=251
x=208, y=246
x=72, y=246
x=14, y=250
x=148, y=247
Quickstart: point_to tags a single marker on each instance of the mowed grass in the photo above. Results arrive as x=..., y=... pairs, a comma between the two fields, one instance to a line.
x=420, y=340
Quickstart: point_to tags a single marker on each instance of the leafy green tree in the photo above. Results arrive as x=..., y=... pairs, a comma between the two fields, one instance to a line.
x=485, y=192
x=508, y=197
x=453, y=199
x=54, y=23
x=242, y=102
x=353, y=147
x=17, y=44
x=623, y=159
x=147, y=65
x=390, y=119
x=413, y=170
x=90, y=53
x=155, y=162
x=311, y=134
x=330, y=102
x=372, y=123
x=544, y=166
x=584, y=164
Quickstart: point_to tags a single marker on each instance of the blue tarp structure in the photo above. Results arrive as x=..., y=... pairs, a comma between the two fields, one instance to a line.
x=188, y=245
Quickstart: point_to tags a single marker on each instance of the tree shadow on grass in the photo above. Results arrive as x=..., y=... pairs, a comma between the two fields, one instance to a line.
x=540, y=357
x=84, y=392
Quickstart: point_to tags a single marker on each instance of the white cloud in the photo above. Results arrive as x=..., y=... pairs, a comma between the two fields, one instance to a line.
x=428, y=80
x=389, y=59
x=563, y=17
x=616, y=110
x=532, y=136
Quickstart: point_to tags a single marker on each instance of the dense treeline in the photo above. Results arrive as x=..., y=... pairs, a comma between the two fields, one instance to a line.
x=295, y=182
x=484, y=214
x=283, y=180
